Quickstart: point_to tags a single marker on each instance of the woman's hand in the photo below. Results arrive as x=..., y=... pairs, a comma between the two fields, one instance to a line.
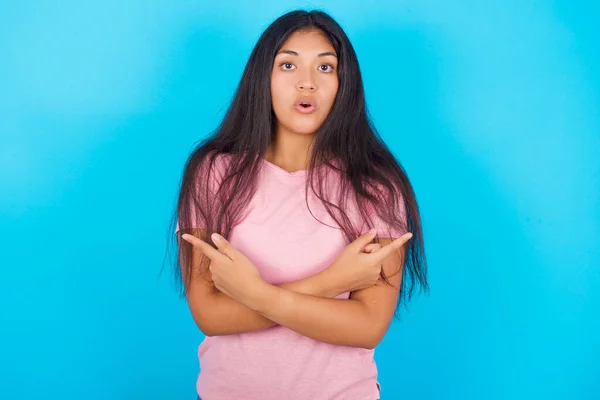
x=358, y=266
x=232, y=272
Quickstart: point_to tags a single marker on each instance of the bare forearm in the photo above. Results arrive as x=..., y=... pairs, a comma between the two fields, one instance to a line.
x=226, y=316
x=336, y=321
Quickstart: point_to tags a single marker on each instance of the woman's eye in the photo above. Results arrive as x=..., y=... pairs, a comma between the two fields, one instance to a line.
x=287, y=66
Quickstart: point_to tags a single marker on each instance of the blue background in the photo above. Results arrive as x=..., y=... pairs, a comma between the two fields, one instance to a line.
x=493, y=108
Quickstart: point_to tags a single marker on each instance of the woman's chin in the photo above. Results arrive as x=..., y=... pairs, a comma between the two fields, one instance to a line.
x=304, y=129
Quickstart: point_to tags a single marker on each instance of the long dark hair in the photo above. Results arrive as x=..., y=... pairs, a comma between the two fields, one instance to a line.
x=346, y=142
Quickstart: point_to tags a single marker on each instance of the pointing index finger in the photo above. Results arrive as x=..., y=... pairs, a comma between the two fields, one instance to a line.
x=388, y=249
x=204, y=247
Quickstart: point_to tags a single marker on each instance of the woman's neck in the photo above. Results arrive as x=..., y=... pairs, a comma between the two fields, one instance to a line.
x=290, y=151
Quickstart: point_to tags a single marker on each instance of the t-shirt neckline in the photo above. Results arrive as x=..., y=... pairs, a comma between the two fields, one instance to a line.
x=277, y=168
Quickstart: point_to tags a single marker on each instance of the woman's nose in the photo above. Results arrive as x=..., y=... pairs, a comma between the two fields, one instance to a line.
x=306, y=82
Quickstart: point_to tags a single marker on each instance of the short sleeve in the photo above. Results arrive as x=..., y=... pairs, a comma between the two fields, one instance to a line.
x=396, y=211
x=203, y=199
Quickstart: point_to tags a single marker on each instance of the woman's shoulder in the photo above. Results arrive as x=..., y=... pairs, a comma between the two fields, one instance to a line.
x=220, y=160
x=216, y=164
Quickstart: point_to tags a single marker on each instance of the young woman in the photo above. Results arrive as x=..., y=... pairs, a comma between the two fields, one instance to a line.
x=296, y=220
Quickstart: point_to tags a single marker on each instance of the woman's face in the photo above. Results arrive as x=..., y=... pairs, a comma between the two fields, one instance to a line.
x=304, y=82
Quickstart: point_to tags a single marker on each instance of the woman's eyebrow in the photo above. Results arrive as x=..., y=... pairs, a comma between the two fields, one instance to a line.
x=294, y=53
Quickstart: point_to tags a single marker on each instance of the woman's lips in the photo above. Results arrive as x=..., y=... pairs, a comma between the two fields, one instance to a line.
x=304, y=109
x=306, y=104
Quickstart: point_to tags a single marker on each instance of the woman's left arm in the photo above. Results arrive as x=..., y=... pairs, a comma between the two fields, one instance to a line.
x=361, y=321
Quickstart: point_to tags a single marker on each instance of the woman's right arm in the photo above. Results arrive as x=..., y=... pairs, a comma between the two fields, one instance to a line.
x=217, y=314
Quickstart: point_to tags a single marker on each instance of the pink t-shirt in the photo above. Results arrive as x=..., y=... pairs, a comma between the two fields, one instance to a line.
x=285, y=242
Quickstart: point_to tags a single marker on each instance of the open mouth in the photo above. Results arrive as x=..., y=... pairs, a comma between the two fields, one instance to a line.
x=305, y=106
